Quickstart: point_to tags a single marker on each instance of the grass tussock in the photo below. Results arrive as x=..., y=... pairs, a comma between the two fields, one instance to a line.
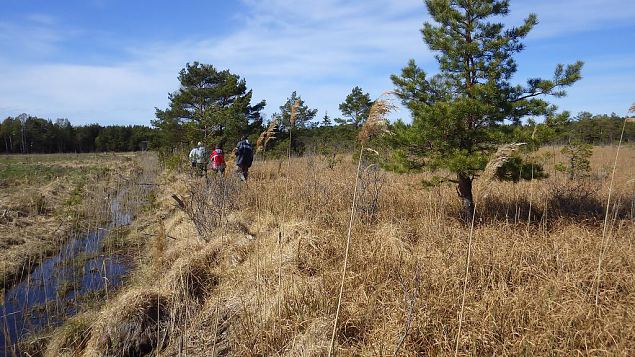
x=193, y=277
x=72, y=338
x=134, y=326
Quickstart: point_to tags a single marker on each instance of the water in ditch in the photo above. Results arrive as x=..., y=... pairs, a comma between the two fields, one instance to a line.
x=56, y=288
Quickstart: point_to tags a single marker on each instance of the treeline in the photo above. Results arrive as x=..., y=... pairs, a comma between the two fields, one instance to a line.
x=28, y=134
x=328, y=136
x=597, y=129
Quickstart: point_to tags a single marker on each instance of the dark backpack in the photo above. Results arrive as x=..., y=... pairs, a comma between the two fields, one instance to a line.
x=245, y=153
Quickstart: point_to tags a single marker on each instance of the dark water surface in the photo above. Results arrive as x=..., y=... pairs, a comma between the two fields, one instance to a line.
x=53, y=291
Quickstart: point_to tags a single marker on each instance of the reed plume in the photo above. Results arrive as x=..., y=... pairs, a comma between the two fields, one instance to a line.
x=294, y=113
x=376, y=124
x=502, y=155
x=267, y=135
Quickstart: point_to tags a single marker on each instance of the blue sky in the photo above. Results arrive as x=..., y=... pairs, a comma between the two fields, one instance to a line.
x=113, y=61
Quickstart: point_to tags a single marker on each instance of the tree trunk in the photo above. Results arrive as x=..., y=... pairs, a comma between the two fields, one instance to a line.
x=465, y=193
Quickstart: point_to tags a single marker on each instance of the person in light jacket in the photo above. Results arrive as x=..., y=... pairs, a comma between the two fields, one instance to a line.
x=198, y=158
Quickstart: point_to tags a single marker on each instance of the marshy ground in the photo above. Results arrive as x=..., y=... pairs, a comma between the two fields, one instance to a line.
x=61, y=215
x=254, y=269
x=47, y=197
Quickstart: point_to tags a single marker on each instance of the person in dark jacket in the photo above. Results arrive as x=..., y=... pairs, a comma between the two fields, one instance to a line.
x=244, y=157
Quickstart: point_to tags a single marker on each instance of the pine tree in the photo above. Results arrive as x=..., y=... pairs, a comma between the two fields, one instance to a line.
x=326, y=120
x=356, y=106
x=303, y=114
x=209, y=105
x=459, y=114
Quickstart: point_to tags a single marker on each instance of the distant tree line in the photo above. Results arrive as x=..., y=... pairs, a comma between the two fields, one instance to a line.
x=227, y=114
x=596, y=129
x=28, y=134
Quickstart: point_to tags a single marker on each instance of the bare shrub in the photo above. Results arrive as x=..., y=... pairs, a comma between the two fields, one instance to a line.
x=210, y=202
x=371, y=183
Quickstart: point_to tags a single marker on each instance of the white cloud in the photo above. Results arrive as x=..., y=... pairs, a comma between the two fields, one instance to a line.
x=319, y=48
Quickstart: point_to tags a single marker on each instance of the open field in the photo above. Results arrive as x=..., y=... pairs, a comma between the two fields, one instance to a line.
x=46, y=197
x=248, y=270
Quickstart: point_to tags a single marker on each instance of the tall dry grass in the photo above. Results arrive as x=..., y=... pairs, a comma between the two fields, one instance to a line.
x=526, y=287
x=529, y=290
x=375, y=125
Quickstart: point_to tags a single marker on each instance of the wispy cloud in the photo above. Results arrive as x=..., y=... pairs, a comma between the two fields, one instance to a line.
x=42, y=19
x=319, y=48
x=37, y=35
x=607, y=86
x=557, y=18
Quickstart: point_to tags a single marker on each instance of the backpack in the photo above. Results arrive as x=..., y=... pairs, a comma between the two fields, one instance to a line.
x=245, y=153
x=218, y=158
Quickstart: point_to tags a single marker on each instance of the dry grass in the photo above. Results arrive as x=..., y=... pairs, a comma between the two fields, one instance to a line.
x=131, y=327
x=530, y=287
x=72, y=337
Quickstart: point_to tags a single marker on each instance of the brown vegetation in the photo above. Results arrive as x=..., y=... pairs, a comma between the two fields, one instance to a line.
x=530, y=286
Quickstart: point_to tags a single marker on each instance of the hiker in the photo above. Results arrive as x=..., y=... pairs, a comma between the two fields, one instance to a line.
x=198, y=159
x=217, y=160
x=244, y=157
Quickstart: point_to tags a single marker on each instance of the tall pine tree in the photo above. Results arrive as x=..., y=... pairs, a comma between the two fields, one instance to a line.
x=356, y=106
x=210, y=105
x=303, y=114
x=459, y=114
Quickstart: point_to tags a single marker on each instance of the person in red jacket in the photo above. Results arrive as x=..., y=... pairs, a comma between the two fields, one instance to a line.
x=217, y=160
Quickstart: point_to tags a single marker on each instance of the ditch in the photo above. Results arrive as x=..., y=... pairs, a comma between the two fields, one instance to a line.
x=81, y=274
